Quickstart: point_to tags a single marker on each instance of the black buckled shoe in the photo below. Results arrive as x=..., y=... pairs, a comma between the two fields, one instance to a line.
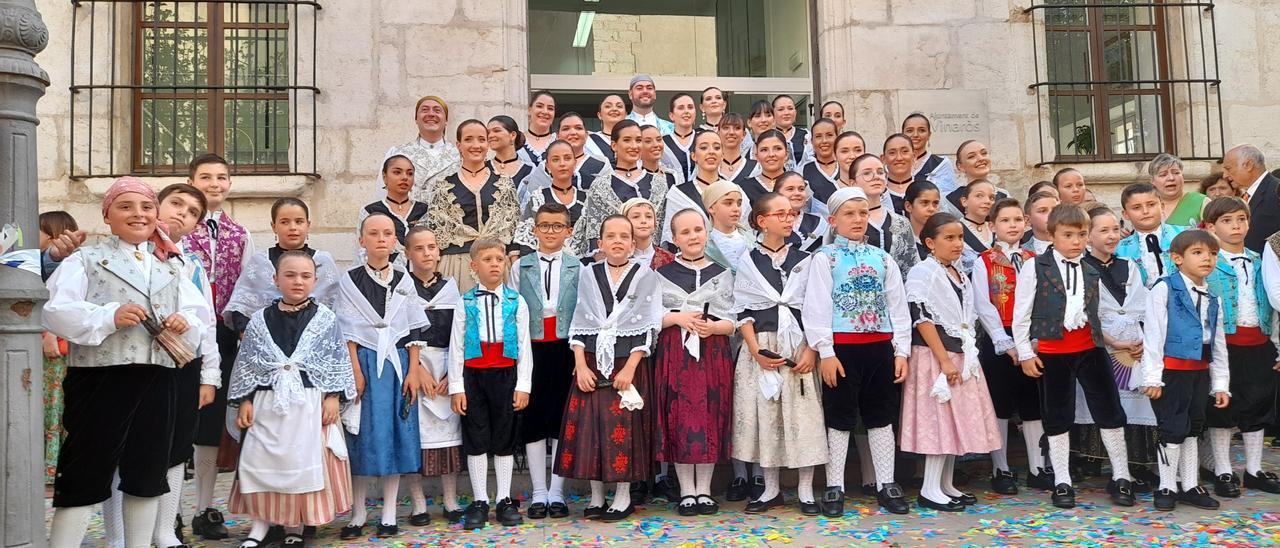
x=1121, y=491
x=833, y=502
x=611, y=515
x=1264, y=481
x=454, y=516
x=1164, y=500
x=892, y=500
x=508, y=512
x=761, y=506
x=639, y=492
x=1064, y=496
x=668, y=487
x=1141, y=485
x=952, y=505
x=1004, y=482
x=690, y=509
x=351, y=532
x=477, y=515
x=537, y=510
x=757, y=487
x=1225, y=486
x=1042, y=480
x=209, y=525
x=385, y=531
x=707, y=506
x=275, y=534
x=592, y=512
x=737, y=490
x=810, y=508
x=557, y=510
x=420, y=520
x=1199, y=497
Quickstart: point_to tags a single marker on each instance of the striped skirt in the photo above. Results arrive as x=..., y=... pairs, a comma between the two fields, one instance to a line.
x=294, y=510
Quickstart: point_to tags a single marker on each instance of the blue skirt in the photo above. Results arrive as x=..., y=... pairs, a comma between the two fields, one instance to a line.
x=388, y=441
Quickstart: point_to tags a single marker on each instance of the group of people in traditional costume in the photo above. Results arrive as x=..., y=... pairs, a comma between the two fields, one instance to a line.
x=634, y=306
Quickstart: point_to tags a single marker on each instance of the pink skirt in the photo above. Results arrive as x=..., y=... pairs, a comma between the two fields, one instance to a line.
x=966, y=424
x=294, y=510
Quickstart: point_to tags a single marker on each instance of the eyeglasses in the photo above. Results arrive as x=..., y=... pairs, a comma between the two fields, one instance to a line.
x=782, y=215
x=551, y=228
x=870, y=175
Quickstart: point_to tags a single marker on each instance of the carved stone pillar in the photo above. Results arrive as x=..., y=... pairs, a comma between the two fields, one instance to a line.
x=22, y=83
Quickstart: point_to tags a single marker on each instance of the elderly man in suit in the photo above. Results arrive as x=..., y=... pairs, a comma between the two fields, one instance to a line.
x=1246, y=169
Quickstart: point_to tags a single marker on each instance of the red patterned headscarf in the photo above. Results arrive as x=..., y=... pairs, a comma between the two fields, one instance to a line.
x=164, y=247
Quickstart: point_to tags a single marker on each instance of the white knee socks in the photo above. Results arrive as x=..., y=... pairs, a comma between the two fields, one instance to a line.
x=880, y=441
x=703, y=474
x=206, y=476
x=838, y=446
x=1190, y=467
x=597, y=494
x=804, y=490
x=478, y=469
x=867, y=472
x=502, y=468
x=1032, y=431
x=1117, y=451
x=1253, y=452
x=621, y=496
x=416, y=495
x=535, y=454
x=139, y=520
x=258, y=530
x=359, y=500
x=771, y=488
x=113, y=515
x=932, y=486
x=1171, y=453
x=1059, y=457
x=1220, y=446
x=449, y=484
x=948, y=477
x=686, y=476
x=168, y=509
x=1000, y=457
x=69, y=525
x=390, y=496
x=556, y=493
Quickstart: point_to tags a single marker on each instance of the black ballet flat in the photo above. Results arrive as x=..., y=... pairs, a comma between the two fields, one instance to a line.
x=351, y=532
x=420, y=520
x=810, y=508
x=967, y=499
x=952, y=505
x=761, y=506
x=454, y=516
x=687, y=510
x=593, y=512
x=707, y=508
x=537, y=510
x=1004, y=482
x=558, y=510
x=388, y=530
x=611, y=515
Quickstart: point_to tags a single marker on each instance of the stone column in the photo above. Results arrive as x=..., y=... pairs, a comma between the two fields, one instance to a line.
x=22, y=83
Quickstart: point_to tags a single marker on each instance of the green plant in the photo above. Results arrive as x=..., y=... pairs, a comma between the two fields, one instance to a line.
x=1083, y=141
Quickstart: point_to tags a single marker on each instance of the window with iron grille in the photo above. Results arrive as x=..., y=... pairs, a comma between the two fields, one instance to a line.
x=1124, y=80
x=232, y=77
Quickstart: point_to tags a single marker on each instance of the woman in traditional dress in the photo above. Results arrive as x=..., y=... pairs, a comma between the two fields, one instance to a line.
x=694, y=375
x=608, y=427
x=713, y=107
x=677, y=144
x=1181, y=208
x=607, y=194
x=973, y=161
x=586, y=167
x=652, y=151
x=784, y=113
x=290, y=377
x=705, y=153
x=290, y=220
x=937, y=169
x=473, y=203
x=759, y=120
x=600, y=144
x=738, y=166
x=835, y=111
x=563, y=190
x=542, y=112
x=771, y=152
x=897, y=159
x=822, y=172
x=946, y=409
x=776, y=400
x=886, y=229
x=504, y=140
x=397, y=177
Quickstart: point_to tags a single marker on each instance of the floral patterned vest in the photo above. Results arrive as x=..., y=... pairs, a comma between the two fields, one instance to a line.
x=232, y=239
x=857, y=287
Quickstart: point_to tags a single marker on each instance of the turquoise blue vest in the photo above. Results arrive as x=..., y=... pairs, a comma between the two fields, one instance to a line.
x=1224, y=284
x=510, y=338
x=859, y=304
x=1184, y=336
x=1132, y=246
x=195, y=274
x=531, y=291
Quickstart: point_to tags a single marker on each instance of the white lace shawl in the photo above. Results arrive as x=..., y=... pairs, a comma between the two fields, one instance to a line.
x=751, y=291
x=321, y=352
x=256, y=287
x=362, y=325
x=602, y=202
x=639, y=313
x=929, y=287
x=717, y=292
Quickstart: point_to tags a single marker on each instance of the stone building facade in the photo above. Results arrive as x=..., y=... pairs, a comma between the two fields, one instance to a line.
x=882, y=58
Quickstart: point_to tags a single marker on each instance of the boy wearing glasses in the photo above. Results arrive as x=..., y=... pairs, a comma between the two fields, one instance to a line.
x=548, y=282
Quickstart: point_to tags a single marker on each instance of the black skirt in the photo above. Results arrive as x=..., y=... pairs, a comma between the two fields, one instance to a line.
x=601, y=441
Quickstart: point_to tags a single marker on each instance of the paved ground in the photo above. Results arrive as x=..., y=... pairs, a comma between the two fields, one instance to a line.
x=1026, y=519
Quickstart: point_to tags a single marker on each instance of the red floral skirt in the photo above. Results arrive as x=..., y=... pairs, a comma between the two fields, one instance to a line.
x=600, y=440
x=694, y=400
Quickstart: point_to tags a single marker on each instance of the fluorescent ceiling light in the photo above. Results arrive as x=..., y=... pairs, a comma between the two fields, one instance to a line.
x=585, y=19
